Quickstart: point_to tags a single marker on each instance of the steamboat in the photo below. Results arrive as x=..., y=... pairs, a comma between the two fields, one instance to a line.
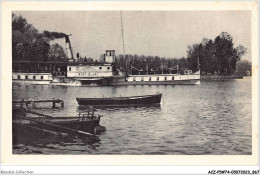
x=74, y=72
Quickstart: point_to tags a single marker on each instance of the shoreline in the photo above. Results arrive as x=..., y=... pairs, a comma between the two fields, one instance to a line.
x=220, y=77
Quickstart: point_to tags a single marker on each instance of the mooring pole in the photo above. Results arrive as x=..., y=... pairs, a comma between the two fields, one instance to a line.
x=53, y=104
x=62, y=104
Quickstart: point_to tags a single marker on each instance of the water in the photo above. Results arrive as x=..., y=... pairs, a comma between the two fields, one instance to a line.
x=212, y=118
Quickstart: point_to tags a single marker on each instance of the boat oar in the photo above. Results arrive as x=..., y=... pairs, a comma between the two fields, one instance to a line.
x=39, y=114
x=62, y=128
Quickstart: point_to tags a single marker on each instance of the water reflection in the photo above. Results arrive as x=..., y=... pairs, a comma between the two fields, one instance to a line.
x=57, y=145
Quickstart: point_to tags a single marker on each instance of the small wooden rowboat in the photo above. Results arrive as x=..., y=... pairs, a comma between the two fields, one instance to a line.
x=121, y=101
x=84, y=125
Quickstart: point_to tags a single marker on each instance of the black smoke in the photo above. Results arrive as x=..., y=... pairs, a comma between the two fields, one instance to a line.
x=54, y=35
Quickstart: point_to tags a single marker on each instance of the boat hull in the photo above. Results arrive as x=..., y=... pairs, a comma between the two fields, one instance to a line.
x=174, y=82
x=31, y=82
x=87, y=126
x=121, y=101
x=58, y=127
x=76, y=123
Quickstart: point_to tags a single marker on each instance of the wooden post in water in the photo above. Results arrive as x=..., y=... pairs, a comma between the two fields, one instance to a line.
x=53, y=104
x=62, y=104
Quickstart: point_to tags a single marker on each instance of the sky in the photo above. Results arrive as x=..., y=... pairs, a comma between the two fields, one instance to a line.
x=151, y=33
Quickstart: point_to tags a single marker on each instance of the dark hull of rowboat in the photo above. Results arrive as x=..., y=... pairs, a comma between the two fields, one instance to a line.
x=87, y=126
x=121, y=101
x=75, y=123
x=29, y=130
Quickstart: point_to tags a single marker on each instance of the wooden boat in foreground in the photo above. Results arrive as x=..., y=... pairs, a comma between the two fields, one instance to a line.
x=121, y=101
x=84, y=125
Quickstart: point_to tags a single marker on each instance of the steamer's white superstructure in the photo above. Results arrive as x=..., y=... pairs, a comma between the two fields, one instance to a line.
x=160, y=79
x=165, y=79
x=32, y=78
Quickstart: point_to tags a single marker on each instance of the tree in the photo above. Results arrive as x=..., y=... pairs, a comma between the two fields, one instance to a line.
x=224, y=53
x=56, y=53
x=238, y=53
x=211, y=59
x=243, y=67
x=27, y=42
x=194, y=55
x=218, y=55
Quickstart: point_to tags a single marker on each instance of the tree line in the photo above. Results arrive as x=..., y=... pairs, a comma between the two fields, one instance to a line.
x=148, y=64
x=28, y=44
x=216, y=56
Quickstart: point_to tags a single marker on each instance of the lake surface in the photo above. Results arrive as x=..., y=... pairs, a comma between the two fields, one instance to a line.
x=213, y=118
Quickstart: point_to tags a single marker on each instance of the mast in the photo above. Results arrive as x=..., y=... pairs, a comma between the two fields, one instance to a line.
x=123, y=42
x=122, y=33
x=199, y=62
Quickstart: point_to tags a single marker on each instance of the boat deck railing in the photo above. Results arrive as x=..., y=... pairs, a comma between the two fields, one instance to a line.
x=89, y=115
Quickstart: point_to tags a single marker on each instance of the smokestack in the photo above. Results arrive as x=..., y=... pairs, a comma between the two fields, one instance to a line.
x=68, y=48
x=56, y=35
